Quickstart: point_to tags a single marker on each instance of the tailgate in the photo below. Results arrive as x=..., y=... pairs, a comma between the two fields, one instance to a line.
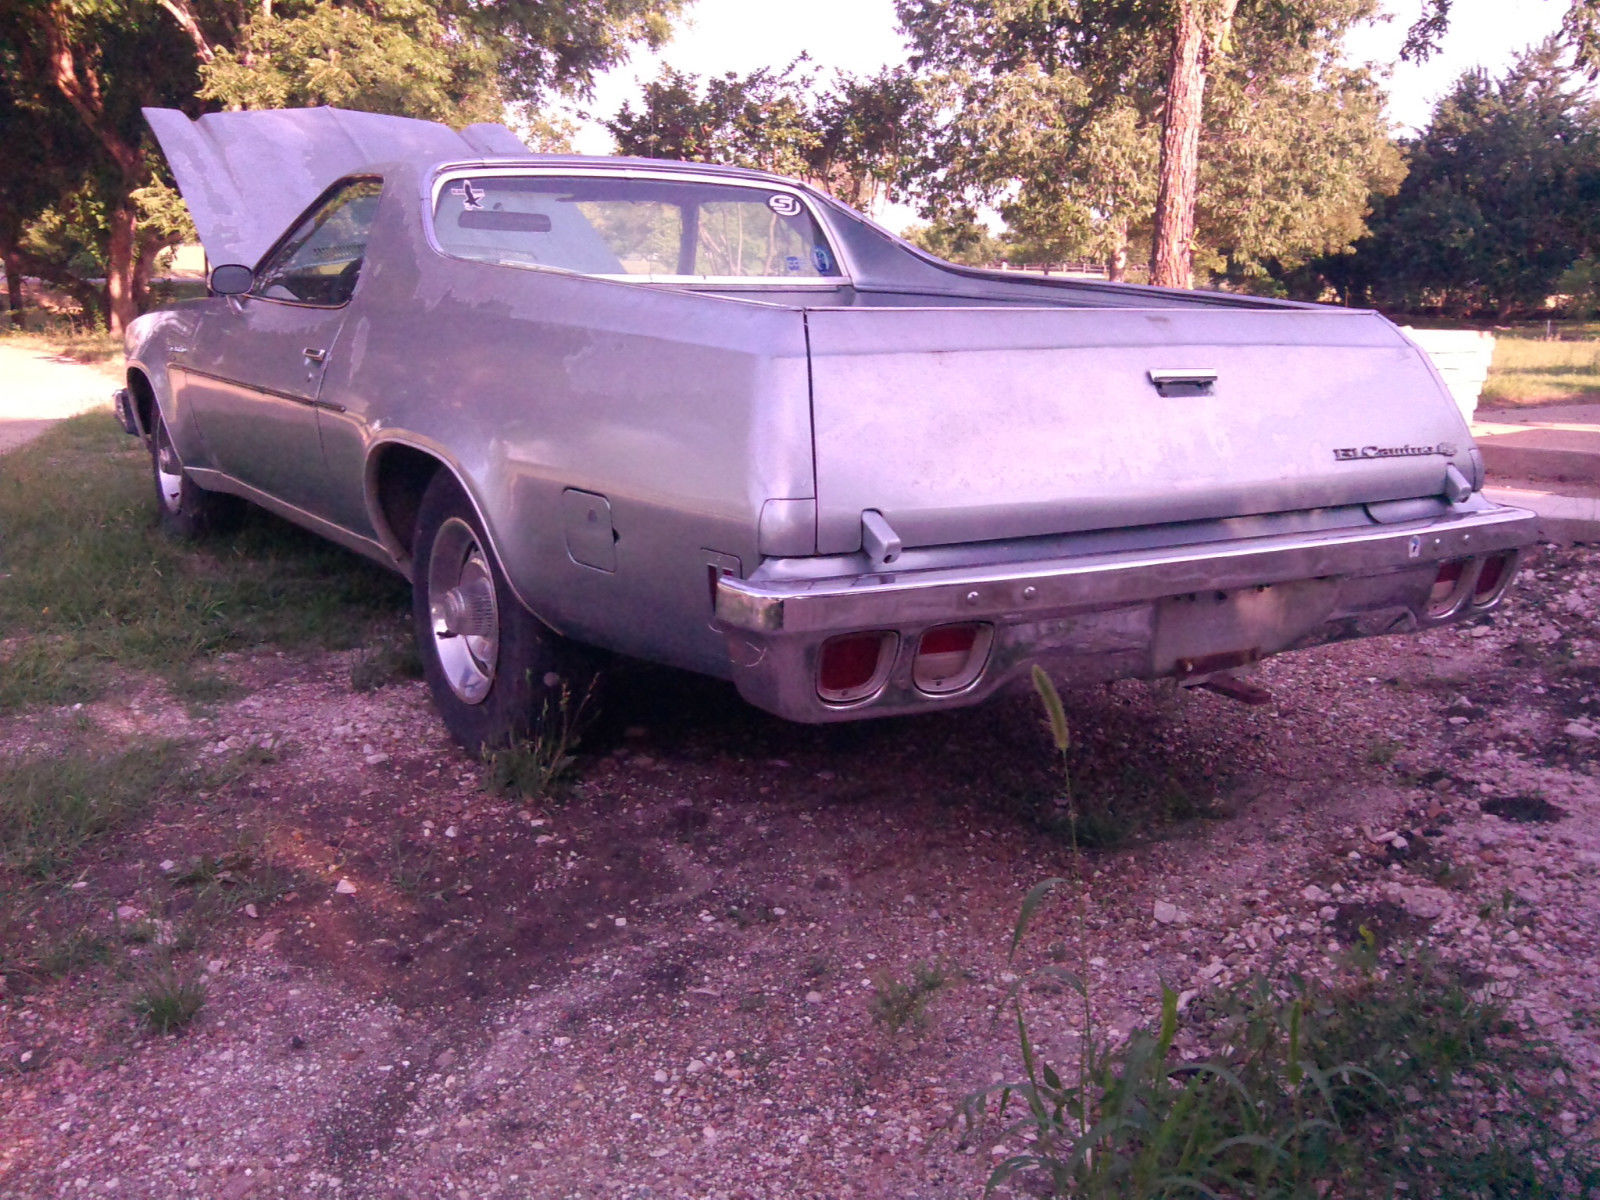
x=977, y=424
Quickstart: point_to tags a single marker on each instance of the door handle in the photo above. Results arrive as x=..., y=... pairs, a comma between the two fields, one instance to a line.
x=315, y=356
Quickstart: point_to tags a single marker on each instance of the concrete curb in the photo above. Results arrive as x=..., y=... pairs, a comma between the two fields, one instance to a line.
x=1562, y=518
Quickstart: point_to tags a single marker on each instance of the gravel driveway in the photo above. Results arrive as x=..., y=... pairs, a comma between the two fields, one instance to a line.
x=38, y=388
x=667, y=983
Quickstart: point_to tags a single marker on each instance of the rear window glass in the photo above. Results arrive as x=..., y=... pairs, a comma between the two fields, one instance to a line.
x=619, y=227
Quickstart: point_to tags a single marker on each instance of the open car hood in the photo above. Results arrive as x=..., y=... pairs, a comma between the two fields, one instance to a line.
x=247, y=175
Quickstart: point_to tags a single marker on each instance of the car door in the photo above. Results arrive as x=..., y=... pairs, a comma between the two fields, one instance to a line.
x=256, y=370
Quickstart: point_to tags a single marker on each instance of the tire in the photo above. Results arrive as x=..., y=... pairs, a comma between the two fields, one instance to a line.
x=187, y=511
x=494, y=669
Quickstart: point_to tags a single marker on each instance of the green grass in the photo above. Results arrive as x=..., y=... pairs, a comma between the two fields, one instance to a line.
x=53, y=806
x=1528, y=369
x=532, y=768
x=898, y=1003
x=166, y=999
x=1406, y=1081
x=90, y=585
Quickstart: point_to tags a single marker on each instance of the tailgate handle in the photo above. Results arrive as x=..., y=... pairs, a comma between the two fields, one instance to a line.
x=1184, y=381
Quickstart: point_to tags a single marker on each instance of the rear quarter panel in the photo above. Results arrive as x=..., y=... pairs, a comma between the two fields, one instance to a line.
x=686, y=412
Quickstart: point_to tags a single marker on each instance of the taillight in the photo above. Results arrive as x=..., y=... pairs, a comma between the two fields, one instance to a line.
x=854, y=665
x=950, y=657
x=1493, y=578
x=1446, y=594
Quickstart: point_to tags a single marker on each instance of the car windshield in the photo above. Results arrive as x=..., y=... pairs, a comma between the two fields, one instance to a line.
x=632, y=228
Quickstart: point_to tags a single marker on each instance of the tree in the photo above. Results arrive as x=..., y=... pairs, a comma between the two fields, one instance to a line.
x=961, y=238
x=100, y=61
x=1580, y=29
x=1503, y=195
x=844, y=139
x=1063, y=116
x=762, y=120
x=391, y=56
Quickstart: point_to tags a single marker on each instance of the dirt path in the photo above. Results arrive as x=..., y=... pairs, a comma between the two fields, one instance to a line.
x=669, y=983
x=38, y=388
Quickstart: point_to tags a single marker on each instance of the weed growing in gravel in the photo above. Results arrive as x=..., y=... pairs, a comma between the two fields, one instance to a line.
x=165, y=998
x=201, y=691
x=898, y=1003
x=532, y=767
x=1381, y=751
x=72, y=952
x=414, y=868
x=388, y=660
x=1406, y=1081
x=89, y=579
x=52, y=806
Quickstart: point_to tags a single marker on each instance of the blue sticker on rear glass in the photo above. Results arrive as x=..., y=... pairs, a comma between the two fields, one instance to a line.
x=824, y=261
x=792, y=263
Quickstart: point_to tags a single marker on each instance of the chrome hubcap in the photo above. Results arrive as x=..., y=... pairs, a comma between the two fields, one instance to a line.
x=169, y=471
x=462, y=610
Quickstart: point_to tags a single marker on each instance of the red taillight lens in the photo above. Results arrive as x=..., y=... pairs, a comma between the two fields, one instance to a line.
x=1445, y=595
x=948, y=639
x=852, y=666
x=950, y=657
x=1493, y=577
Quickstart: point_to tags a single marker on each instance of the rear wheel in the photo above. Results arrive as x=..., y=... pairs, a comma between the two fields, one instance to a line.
x=186, y=509
x=494, y=669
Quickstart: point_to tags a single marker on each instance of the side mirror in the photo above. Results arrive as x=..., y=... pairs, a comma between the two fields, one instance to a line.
x=231, y=279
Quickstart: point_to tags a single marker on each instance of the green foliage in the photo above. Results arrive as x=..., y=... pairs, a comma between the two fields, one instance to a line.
x=1579, y=286
x=391, y=56
x=897, y=1004
x=1503, y=196
x=531, y=767
x=760, y=120
x=1053, y=112
x=73, y=77
x=961, y=238
x=1403, y=1082
x=844, y=139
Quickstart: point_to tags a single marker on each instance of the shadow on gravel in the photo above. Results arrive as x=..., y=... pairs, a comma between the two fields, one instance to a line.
x=1136, y=766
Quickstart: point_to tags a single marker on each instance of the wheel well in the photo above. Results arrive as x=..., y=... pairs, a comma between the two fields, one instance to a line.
x=400, y=475
x=144, y=402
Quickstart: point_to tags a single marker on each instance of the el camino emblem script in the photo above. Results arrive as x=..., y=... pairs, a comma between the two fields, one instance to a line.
x=1352, y=453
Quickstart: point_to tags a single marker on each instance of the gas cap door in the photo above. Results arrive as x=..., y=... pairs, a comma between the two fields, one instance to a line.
x=591, y=539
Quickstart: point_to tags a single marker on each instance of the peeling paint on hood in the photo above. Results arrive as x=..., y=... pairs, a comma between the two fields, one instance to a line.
x=247, y=175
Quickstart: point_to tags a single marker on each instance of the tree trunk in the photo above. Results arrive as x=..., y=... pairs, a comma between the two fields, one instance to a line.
x=147, y=253
x=1202, y=25
x=120, y=305
x=13, y=265
x=1172, y=257
x=1117, y=261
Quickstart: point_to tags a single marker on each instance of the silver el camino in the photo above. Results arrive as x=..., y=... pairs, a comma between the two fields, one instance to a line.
x=715, y=419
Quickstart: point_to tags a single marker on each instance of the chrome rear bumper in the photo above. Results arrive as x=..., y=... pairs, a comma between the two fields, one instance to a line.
x=1181, y=610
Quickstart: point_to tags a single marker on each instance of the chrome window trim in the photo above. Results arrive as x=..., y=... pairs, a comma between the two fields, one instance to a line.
x=447, y=175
